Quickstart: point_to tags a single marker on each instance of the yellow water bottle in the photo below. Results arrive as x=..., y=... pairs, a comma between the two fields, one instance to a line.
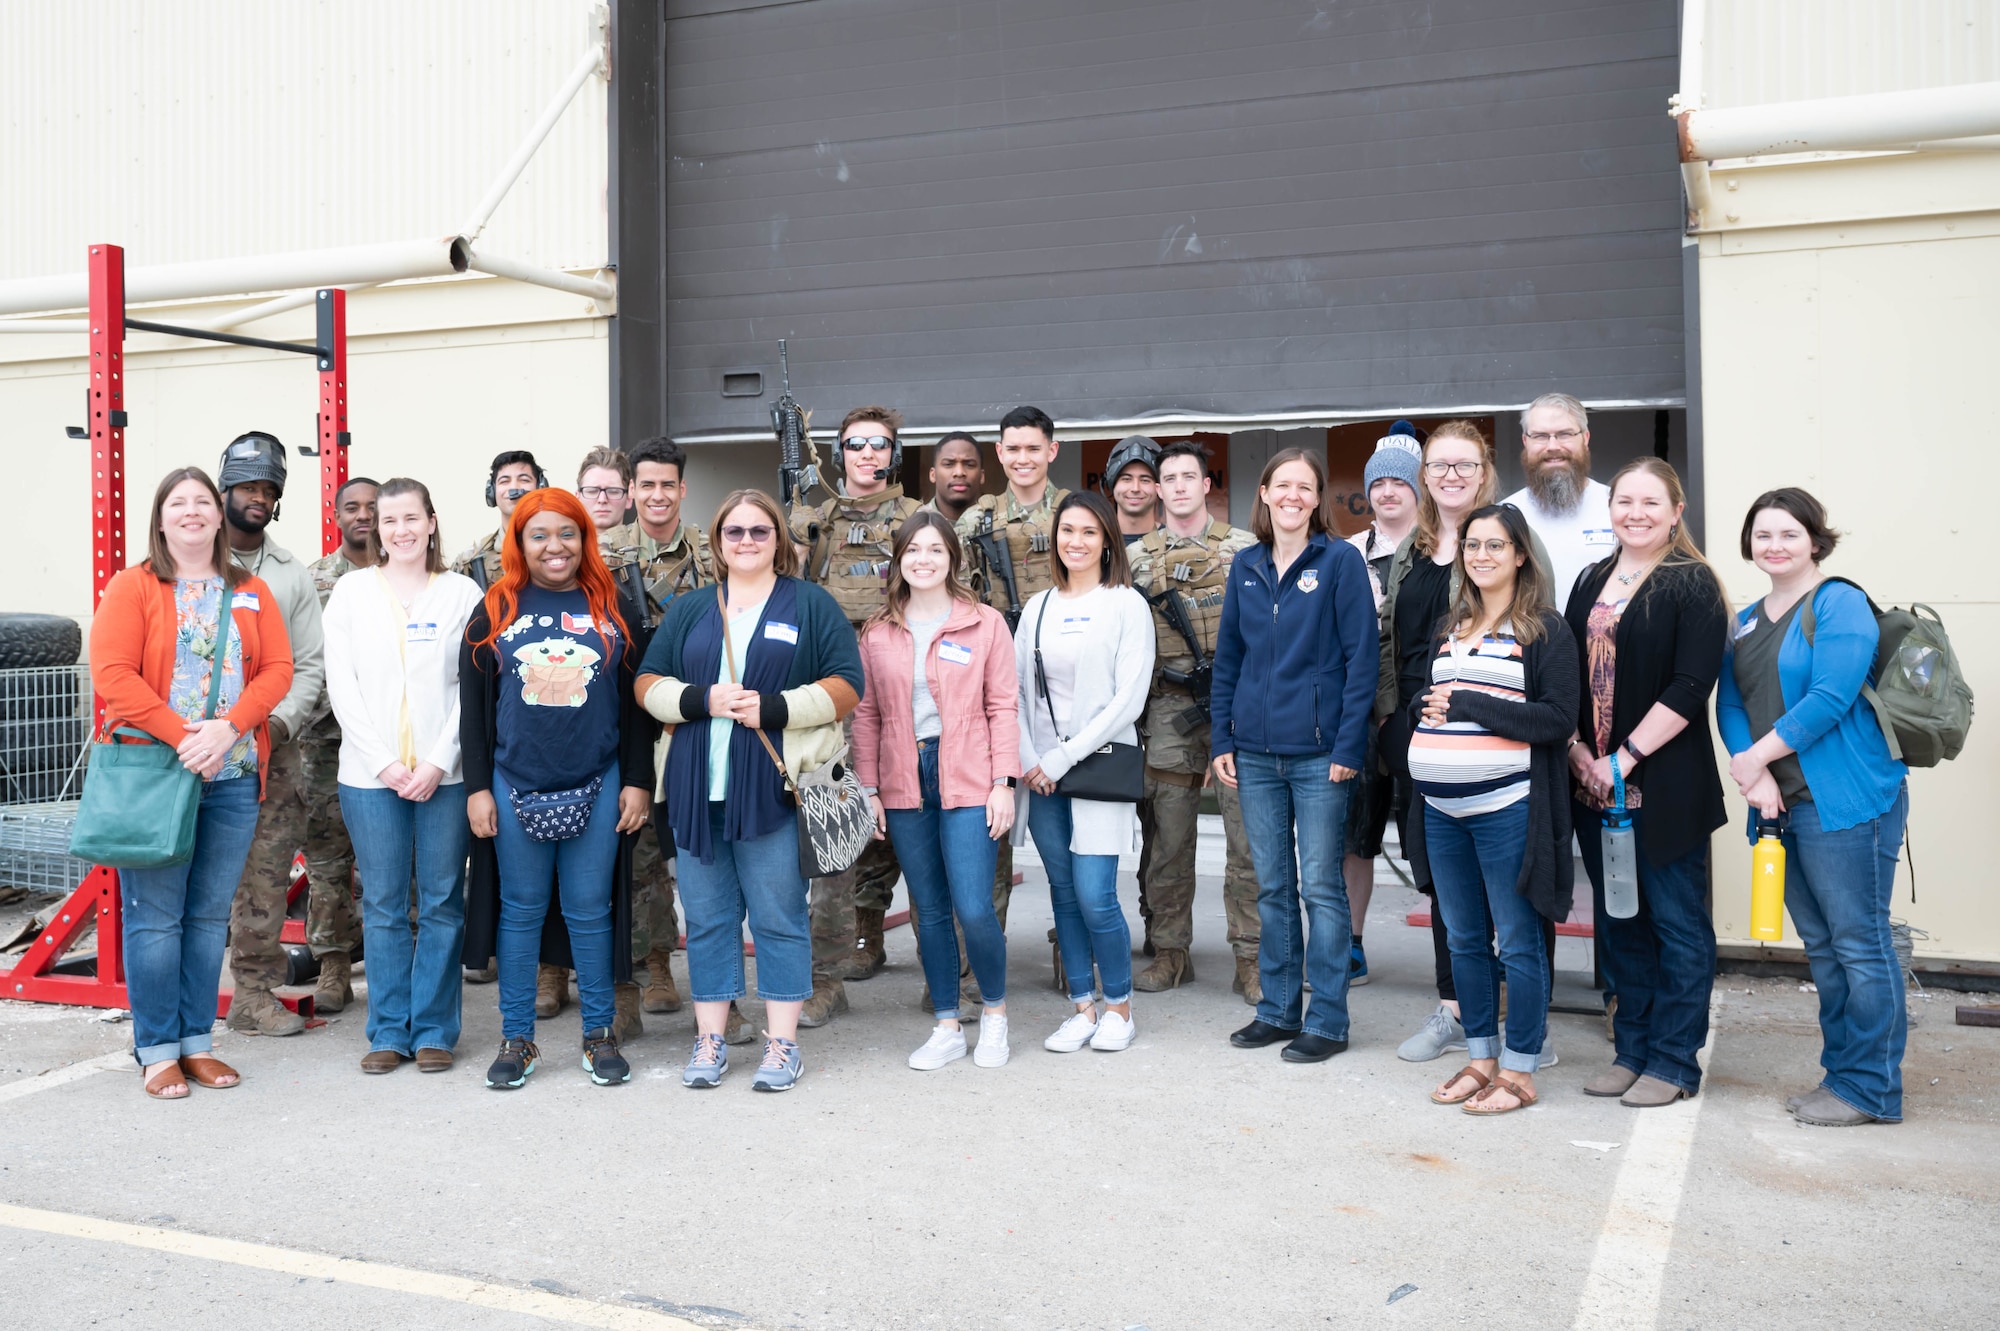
x=1767, y=883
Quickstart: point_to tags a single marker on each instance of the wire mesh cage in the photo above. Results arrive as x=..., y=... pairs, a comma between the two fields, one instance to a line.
x=45, y=726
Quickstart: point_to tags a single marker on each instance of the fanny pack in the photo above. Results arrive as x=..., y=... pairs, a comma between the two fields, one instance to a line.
x=555, y=815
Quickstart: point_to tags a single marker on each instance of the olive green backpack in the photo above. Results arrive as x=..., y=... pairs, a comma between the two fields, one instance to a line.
x=1919, y=693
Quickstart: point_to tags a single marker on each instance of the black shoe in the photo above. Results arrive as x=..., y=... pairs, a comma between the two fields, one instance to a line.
x=1310, y=1048
x=1258, y=1034
x=601, y=1059
x=517, y=1059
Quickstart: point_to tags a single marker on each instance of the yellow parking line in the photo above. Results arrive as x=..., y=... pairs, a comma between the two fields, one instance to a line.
x=399, y=1279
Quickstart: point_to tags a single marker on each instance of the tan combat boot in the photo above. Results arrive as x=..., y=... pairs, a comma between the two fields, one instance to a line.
x=551, y=990
x=869, y=954
x=737, y=1030
x=336, y=983
x=1171, y=969
x=626, y=1025
x=256, y=1012
x=1248, y=982
x=828, y=997
x=661, y=996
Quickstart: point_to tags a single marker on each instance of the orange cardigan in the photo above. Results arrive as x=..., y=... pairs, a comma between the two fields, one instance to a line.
x=132, y=658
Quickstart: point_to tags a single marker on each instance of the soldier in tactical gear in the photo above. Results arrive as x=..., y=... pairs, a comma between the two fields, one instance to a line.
x=958, y=474
x=1183, y=569
x=252, y=481
x=513, y=474
x=845, y=547
x=1132, y=481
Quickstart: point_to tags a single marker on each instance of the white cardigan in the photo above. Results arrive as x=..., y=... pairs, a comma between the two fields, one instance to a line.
x=1106, y=696
x=367, y=676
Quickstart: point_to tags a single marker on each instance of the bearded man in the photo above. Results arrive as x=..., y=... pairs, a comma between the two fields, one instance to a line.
x=1568, y=510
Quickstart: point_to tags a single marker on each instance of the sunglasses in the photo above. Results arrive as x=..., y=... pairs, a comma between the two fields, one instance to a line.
x=759, y=533
x=881, y=443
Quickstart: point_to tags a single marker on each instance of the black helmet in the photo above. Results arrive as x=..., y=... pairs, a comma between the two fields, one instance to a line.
x=255, y=456
x=1132, y=448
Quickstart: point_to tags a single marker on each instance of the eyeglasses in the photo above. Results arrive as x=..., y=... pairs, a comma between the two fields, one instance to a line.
x=603, y=492
x=1496, y=547
x=758, y=534
x=1440, y=470
x=881, y=443
x=1552, y=437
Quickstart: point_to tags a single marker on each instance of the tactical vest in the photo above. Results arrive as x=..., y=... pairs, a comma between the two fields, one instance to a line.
x=1030, y=544
x=849, y=543
x=481, y=563
x=1199, y=572
x=684, y=567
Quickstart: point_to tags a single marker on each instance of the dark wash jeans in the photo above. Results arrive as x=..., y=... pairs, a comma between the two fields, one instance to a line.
x=1296, y=820
x=947, y=860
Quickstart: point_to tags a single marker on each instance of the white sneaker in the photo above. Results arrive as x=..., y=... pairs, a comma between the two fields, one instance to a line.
x=1073, y=1034
x=992, y=1050
x=1114, y=1033
x=944, y=1046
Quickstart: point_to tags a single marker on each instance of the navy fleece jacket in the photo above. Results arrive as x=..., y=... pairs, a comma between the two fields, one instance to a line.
x=1296, y=658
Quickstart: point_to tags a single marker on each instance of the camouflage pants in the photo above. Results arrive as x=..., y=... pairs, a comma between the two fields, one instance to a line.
x=654, y=921
x=332, y=925
x=873, y=878
x=256, y=958
x=1167, y=869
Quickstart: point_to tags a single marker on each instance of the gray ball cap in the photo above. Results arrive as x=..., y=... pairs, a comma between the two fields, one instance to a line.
x=1132, y=448
x=255, y=456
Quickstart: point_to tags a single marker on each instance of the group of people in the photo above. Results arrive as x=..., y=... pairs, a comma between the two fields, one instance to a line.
x=533, y=747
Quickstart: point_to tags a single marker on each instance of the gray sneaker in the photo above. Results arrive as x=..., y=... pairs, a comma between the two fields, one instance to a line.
x=781, y=1066
x=1442, y=1032
x=705, y=1067
x=1549, y=1058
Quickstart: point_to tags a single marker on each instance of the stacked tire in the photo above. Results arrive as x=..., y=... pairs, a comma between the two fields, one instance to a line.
x=43, y=728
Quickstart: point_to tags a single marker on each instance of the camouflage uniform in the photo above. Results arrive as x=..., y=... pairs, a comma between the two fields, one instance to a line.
x=653, y=574
x=1177, y=747
x=847, y=544
x=331, y=923
x=487, y=556
x=257, y=915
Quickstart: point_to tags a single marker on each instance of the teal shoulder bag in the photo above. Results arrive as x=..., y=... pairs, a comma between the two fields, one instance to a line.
x=139, y=803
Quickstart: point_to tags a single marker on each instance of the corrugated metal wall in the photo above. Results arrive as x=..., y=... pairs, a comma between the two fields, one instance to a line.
x=201, y=129
x=1229, y=206
x=1760, y=51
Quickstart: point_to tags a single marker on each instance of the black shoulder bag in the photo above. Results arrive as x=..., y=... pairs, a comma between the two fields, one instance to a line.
x=1114, y=773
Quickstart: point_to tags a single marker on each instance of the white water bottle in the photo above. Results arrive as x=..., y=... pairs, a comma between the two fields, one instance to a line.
x=1621, y=853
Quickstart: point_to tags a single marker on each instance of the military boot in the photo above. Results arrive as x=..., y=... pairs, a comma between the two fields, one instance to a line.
x=1248, y=982
x=829, y=996
x=738, y=1030
x=869, y=955
x=661, y=996
x=336, y=983
x=626, y=1025
x=551, y=990
x=1171, y=969
x=256, y=1012
x=1055, y=953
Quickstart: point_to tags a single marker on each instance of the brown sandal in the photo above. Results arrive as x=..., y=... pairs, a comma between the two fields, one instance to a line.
x=1483, y=1105
x=1443, y=1096
x=162, y=1083
x=207, y=1070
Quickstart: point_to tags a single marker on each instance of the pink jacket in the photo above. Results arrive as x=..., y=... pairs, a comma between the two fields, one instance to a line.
x=976, y=700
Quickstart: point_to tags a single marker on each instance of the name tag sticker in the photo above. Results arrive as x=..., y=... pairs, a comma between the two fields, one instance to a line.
x=243, y=601
x=1599, y=536
x=1746, y=628
x=1075, y=624
x=782, y=632
x=1496, y=649
x=420, y=632
x=956, y=653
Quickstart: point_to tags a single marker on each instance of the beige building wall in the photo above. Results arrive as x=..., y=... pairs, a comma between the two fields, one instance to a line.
x=1850, y=316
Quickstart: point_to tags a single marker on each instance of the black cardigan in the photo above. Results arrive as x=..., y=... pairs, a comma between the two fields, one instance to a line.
x=1670, y=643
x=1544, y=721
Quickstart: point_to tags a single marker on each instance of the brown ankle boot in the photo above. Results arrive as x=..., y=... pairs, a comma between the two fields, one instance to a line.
x=738, y=1030
x=551, y=990
x=1055, y=953
x=1248, y=982
x=828, y=997
x=626, y=1025
x=869, y=955
x=1171, y=969
x=661, y=995
x=336, y=983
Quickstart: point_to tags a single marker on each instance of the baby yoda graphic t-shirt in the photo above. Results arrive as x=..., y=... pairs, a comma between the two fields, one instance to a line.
x=558, y=714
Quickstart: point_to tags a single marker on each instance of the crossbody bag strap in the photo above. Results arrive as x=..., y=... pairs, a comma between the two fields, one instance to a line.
x=729, y=665
x=1042, y=675
x=225, y=620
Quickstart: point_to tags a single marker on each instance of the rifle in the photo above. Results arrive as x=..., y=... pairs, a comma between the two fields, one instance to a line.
x=798, y=459
x=999, y=558
x=1197, y=681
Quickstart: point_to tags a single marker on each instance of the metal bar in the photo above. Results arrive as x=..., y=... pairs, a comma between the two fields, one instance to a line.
x=107, y=418
x=1869, y=121
x=44, y=325
x=250, y=314
x=541, y=277
x=591, y=62
x=331, y=305
x=210, y=335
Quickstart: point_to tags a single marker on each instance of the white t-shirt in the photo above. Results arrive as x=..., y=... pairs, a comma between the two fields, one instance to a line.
x=1575, y=540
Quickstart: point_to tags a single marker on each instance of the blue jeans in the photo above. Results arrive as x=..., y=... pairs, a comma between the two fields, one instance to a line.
x=947, y=860
x=1663, y=957
x=1296, y=821
x=759, y=879
x=414, y=989
x=1090, y=924
x=1837, y=887
x=1475, y=866
x=176, y=920
x=588, y=863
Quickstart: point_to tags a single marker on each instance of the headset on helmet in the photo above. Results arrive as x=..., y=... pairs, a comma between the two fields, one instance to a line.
x=508, y=458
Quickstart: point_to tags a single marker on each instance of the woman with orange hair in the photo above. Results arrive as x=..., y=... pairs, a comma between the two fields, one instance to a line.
x=558, y=765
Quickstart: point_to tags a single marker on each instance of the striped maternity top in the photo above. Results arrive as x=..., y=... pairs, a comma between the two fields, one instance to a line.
x=1461, y=768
